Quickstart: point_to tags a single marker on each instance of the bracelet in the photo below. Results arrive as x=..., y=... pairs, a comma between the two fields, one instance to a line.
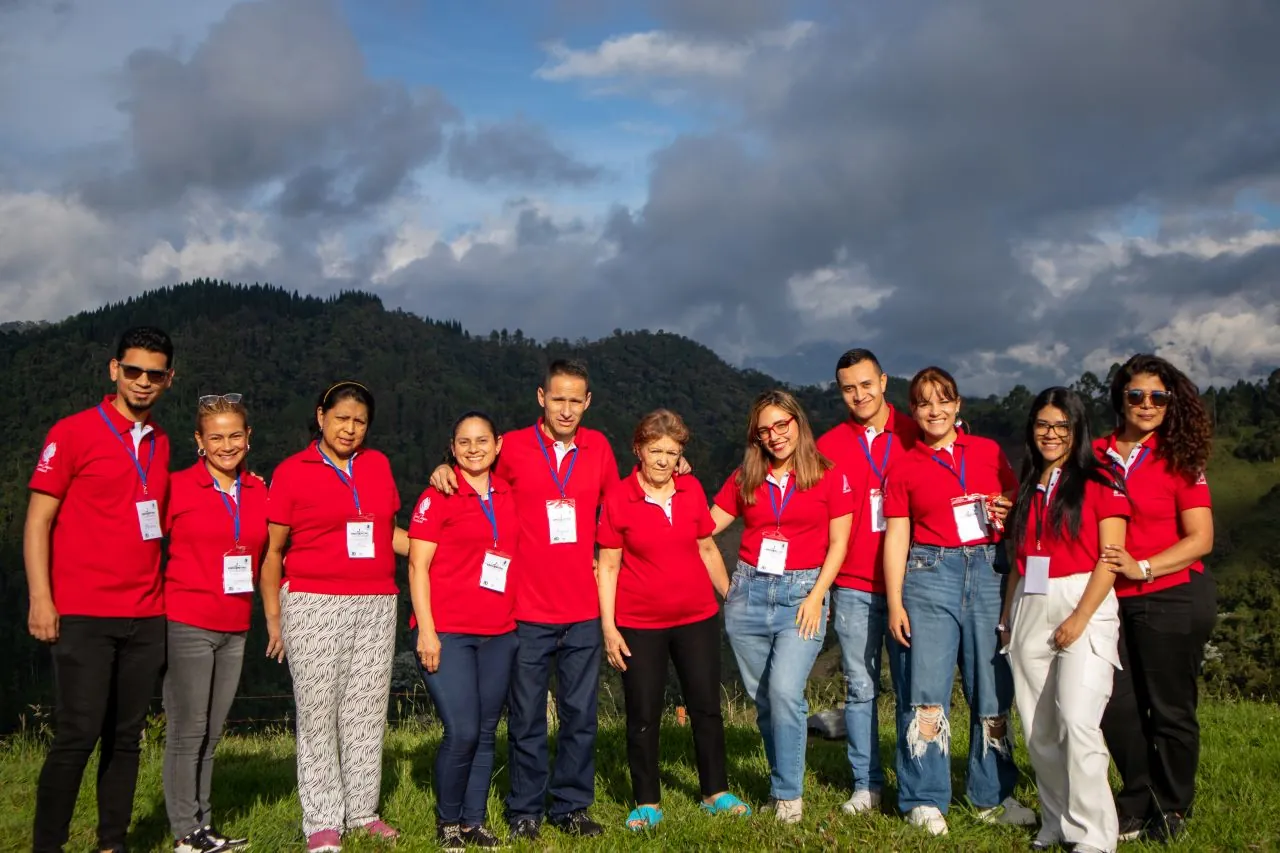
x=1002, y=627
x=1145, y=565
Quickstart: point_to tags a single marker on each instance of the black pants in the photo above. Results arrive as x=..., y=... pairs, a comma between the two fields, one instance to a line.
x=106, y=670
x=695, y=651
x=1150, y=723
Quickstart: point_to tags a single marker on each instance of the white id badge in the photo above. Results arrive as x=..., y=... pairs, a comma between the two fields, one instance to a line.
x=237, y=572
x=562, y=521
x=360, y=539
x=773, y=554
x=971, y=518
x=149, y=520
x=879, y=524
x=1037, y=580
x=493, y=571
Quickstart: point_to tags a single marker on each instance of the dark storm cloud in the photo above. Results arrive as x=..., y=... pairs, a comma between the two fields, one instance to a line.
x=518, y=152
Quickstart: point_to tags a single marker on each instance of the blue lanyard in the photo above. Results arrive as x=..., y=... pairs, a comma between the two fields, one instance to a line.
x=348, y=481
x=489, y=511
x=554, y=474
x=142, y=475
x=786, y=499
x=883, y=470
x=234, y=513
x=959, y=474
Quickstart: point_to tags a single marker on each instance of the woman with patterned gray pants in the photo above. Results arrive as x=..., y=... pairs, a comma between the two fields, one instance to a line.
x=333, y=505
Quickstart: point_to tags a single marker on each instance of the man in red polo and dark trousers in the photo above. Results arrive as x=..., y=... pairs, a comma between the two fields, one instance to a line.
x=92, y=550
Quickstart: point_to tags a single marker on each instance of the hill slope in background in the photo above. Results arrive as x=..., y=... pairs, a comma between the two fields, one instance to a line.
x=280, y=350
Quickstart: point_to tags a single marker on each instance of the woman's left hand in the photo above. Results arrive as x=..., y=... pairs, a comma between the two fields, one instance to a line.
x=1069, y=631
x=999, y=507
x=1120, y=561
x=809, y=617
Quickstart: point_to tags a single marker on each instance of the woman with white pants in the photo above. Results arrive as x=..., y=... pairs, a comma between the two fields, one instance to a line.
x=1064, y=620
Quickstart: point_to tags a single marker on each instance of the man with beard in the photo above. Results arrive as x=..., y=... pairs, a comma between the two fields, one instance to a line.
x=92, y=551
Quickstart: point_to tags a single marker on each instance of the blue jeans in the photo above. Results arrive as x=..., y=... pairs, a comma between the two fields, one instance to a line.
x=469, y=689
x=952, y=598
x=760, y=619
x=862, y=625
x=573, y=651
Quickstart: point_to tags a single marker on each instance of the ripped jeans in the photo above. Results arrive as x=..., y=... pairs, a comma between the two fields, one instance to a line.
x=952, y=598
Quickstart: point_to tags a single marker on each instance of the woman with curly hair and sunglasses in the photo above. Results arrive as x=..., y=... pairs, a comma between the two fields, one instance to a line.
x=1167, y=603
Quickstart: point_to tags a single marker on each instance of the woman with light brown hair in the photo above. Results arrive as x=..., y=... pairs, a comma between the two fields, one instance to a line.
x=797, y=509
x=660, y=573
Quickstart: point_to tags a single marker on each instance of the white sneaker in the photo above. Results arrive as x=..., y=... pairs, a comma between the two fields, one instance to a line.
x=861, y=801
x=929, y=818
x=1010, y=813
x=790, y=811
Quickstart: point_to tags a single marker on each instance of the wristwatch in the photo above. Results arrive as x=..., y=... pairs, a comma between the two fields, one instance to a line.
x=1145, y=565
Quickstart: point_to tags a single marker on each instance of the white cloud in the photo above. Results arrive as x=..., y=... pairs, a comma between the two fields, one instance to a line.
x=1218, y=347
x=218, y=243
x=663, y=54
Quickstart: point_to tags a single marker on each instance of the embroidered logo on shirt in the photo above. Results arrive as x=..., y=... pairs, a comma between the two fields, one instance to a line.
x=421, y=514
x=46, y=459
x=1200, y=481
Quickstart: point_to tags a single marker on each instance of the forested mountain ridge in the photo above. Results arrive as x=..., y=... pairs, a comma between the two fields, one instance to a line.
x=280, y=350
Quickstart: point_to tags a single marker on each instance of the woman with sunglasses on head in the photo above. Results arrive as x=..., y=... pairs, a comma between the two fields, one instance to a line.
x=944, y=505
x=217, y=523
x=797, y=510
x=333, y=538
x=1167, y=603
x=1063, y=622
x=464, y=630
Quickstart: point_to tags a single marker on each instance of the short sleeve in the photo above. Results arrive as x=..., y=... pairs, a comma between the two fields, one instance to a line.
x=897, y=497
x=391, y=485
x=1109, y=502
x=607, y=533
x=704, y=524
x=839, y=493
x=728, y=498
x=429, y=516
x=608, y=468
x=1192, y=494
x=1008, y=477
x=172, y=504
x=280, y=497
x=56, y=465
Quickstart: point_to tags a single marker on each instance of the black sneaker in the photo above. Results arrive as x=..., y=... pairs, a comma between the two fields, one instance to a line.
x=480, y=836
x=1169, y=828
x=578, y=823
x=449, y=835
x=223, y=842
x=195, y=842
x=524, y=828
x=1132, y=828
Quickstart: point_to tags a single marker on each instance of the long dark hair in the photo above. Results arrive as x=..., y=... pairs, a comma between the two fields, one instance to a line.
x=1079, y=468
x=1186, y=433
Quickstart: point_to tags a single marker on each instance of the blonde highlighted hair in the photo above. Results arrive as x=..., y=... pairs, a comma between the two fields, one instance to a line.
x=219, y=405
x=807, y=465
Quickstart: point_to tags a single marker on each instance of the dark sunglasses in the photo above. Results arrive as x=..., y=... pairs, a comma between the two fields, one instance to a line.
x=1135, y=397
x=133, y=373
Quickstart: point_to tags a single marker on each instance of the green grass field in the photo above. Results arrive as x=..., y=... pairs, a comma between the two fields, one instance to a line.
x=1238, y=807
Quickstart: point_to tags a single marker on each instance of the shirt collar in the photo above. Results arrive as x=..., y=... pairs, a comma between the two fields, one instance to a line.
x=1150, y=443
x=548, y=441
x=119, y=422
x=636, y=492
x=205, y=480
x=318, y=459
x=464, y=486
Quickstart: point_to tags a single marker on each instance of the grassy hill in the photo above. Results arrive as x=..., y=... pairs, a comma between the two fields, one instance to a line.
x=1237, y=808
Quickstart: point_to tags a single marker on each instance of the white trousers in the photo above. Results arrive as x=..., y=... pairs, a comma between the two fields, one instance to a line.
x=1061, y=695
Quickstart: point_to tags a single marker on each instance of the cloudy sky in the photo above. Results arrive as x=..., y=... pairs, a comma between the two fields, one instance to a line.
x=1018, y=191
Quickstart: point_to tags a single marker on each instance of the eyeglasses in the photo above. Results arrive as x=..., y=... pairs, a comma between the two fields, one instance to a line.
x=1136, y=397
x=133, y=373
x=778, y=428
x=1062, y=429
x=210, y=399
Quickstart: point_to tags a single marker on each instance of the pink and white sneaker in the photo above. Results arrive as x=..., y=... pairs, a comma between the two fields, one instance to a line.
x=324, y=841
x=378, y=829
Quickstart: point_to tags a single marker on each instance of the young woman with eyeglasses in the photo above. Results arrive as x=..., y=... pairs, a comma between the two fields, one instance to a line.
x=333, y=538
x=217, y=523
x=797, y=509
x=943, y=506
x=1063, y=621
x=1167, y=603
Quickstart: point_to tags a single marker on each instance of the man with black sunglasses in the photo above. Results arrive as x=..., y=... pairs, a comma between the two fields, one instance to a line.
x=92, y=551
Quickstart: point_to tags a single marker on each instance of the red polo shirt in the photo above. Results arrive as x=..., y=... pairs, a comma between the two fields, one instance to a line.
x=99, y=563
x=924, y=482
x=1159, y=496
x=663, y=581
x=201, y=532
x=867, y=459
x=1071, y=555
x=309, y=497
x=555, y=584
x=462, y=532
x=806, y=521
